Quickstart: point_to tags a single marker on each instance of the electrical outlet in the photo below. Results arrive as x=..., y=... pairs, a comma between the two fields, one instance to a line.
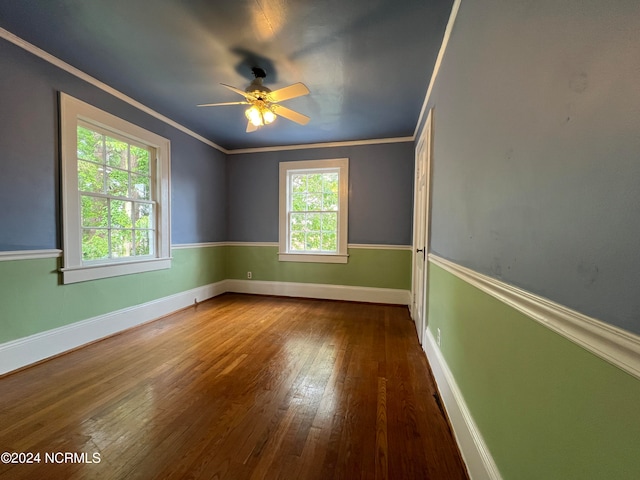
x=249, y=275
x=438, y=337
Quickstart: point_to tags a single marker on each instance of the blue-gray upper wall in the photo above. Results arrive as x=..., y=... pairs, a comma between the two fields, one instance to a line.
x=214, y=197
x=380, y=192
x=29, y=158
x=536, y=151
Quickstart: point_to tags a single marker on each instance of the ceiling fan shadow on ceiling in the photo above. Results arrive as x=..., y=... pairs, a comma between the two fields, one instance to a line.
x=265, y=104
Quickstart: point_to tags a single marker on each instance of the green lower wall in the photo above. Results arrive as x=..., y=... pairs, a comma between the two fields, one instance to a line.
x=547, y=408
x=382, y=268
x=33, y=300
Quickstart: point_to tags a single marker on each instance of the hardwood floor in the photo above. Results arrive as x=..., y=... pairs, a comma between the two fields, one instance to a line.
x=239, y=387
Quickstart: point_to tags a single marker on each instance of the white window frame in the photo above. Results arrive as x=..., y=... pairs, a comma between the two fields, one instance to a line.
x=74, y=269
x=307, y=166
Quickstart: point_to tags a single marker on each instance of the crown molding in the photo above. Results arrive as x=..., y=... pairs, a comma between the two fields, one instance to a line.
x=353, y=143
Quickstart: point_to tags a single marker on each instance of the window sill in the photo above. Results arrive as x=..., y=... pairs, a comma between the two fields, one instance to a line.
x=313, y=257
x=95, y=272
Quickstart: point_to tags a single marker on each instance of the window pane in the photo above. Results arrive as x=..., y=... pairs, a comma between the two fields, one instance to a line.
x=139, y=160
x=140, y=187
x=329, y=222
x=90, y=145
x=118, y=182
x=314, y=182
x=313, y=241
x=330, y=201
x=329, y=242
x=144, y=242
x=298, y=221
x=95, y=244
x=330, y=182
x=314, y=202
x=117, y=152
x=314, y=222
x=121, y=213
x=95, y=212
x=299, y=202
x=297, y=241
x=90, y=177
x=121, y=243
x=143, y=215
x=299, y=183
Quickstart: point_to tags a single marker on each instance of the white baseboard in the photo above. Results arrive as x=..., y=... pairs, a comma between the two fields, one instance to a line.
x=474, y=451
x=321, y=291
x=34, y=348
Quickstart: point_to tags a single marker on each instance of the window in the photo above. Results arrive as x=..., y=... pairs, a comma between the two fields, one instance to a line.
x=115, y=182
x=313, y=210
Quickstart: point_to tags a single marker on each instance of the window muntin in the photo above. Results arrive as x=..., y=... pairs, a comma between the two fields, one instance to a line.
x=115, y=195
x=313, y=210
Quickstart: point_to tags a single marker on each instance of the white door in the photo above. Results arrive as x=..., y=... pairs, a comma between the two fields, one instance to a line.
x=421, y=229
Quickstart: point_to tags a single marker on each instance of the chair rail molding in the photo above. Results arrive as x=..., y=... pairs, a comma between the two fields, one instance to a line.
x=616, y=346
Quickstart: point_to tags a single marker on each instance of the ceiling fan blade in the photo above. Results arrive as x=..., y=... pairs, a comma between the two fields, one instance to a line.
x=246, y=95
x=292, y=91
x=221, y=104
x=251, y=127
x=290, y=114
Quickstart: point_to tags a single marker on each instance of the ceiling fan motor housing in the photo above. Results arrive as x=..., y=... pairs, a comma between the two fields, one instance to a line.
x=256, y=88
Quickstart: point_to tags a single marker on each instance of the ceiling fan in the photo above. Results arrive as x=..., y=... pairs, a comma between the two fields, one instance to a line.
x=265, y=104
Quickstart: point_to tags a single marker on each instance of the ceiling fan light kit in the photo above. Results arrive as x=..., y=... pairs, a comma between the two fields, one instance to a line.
x=259, y=115
x=264, y=103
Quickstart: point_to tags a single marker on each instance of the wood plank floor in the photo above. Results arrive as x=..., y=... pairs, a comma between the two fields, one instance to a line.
x=238, y=387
